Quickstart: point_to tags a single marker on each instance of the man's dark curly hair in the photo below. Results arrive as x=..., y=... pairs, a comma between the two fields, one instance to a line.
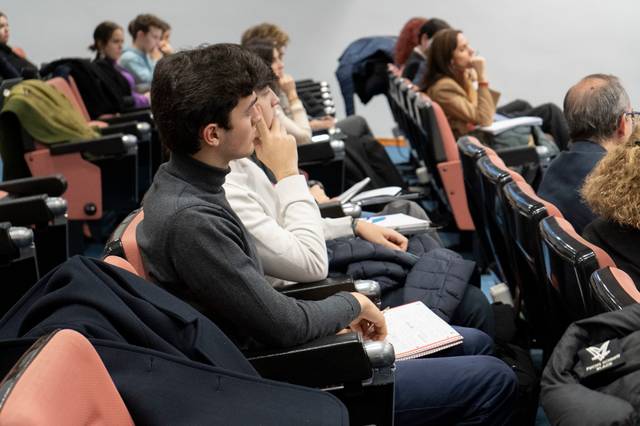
x=194, y=88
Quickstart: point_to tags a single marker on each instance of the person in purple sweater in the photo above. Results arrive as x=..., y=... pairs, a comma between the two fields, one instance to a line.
x=108, y=39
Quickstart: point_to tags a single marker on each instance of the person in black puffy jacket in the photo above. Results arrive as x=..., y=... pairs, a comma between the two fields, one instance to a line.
x=593, y=374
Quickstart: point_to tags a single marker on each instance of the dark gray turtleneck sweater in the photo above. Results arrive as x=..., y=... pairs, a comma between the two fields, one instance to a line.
x=195, y=246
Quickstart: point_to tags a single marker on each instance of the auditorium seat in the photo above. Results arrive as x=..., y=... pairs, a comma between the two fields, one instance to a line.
x=523, y=211
x=612, y=290
x=37, y=203
x=316, y=98
x=61, y=380
x=493, y=175
x=101, y=171
x=18, y=264
x=141, y=129
x=569, y=261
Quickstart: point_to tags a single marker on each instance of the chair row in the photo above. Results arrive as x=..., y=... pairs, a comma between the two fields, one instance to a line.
x=106, y=170
x=425, y=125
x=316, y=98
x=557, y=276
x=33, y=233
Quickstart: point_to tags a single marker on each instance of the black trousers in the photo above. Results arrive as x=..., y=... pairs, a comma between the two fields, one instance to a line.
x=553, y=121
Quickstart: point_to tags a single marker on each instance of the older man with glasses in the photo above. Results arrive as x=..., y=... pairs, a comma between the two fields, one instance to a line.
x=600, y=117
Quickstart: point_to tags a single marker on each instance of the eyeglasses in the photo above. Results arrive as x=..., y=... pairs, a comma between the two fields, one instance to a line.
x=633, y=114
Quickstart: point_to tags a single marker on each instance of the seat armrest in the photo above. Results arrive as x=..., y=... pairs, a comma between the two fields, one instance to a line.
x=325, y=362
x=371, y=289
x=316, y=151
x=384, y=200
x=319, y=290
x=31, y=210
x=331, y=209
x=518, y=156
x=141, y=116
x=141, y=130
x=53, y=186
x=105, y=145
x=14, y=241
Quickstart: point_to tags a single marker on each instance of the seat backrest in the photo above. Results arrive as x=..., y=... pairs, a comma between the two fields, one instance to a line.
x=61, y=380
x=446, y=138
x=493, y=175
x=123, y=243
x=76, y=94
x=569, y=260
x=469, y=151
x=524, y=210
x=613, y=289
x=63, y=87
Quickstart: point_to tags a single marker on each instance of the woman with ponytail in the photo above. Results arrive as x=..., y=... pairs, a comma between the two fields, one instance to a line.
x=108, y=39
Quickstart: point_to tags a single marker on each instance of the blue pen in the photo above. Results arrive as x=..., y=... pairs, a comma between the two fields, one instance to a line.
x=377, y=219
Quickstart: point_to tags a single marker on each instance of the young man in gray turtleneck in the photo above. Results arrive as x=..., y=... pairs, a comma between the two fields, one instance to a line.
x=194, y=245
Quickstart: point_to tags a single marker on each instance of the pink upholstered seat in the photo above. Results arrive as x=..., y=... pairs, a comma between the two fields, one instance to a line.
x=61, y=380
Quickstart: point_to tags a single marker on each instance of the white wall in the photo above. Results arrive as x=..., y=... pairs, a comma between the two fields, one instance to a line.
x=535, y=49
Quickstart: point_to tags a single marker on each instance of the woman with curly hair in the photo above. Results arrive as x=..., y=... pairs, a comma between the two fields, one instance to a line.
x=267, y=31
x=612, y=191
x=407, y=40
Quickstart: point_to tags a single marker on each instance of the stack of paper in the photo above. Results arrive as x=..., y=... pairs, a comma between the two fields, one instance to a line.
x=387, y=191
x=353, y=190
x=498, y=127
x=415, y=331
x=401, y=222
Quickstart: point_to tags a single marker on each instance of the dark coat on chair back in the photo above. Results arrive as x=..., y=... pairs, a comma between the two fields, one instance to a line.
x=98, y=92
x=564, y=178
x=608, y=397
x=171, y=364
x=354, y=60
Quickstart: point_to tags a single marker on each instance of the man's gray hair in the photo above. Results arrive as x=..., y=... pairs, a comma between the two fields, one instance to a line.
x=593, y=107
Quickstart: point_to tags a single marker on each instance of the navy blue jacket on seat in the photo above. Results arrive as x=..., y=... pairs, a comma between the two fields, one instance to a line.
x=427, y=272
x=354, y=59
x=564, y=178
x=171, y=364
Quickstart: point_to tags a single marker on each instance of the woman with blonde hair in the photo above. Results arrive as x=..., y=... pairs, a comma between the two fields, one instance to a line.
x=612, y=191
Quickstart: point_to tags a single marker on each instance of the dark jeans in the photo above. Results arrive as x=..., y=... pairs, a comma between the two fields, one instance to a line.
x=462, y=385
x=474, y=311
x=553, y=121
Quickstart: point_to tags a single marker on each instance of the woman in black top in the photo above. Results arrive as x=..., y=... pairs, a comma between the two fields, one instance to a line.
x=13, y=63
x=612, y=191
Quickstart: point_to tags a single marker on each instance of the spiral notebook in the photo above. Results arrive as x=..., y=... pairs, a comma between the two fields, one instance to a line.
x=415, y=331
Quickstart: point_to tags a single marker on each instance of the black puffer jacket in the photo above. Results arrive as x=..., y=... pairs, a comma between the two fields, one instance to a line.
x=570, y=396
x=427, y=272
